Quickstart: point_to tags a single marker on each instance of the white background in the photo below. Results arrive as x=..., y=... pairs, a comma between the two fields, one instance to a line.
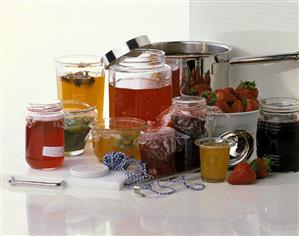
x=33, y=33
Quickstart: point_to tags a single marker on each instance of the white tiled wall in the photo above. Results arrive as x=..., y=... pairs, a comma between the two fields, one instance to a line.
x=253, y=28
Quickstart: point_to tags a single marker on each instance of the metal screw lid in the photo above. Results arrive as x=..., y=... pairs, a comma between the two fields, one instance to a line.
x=113, y=55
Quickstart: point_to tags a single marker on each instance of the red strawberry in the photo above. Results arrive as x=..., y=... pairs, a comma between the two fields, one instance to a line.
x=250, y=104
x=223, y=106
x=230, y=90
x=261, y=167
x=246, y=89
x=242, y=174
x=225, y=96
x=237, y=106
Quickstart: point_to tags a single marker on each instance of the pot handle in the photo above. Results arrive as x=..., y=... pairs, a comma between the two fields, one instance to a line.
x=266, y=58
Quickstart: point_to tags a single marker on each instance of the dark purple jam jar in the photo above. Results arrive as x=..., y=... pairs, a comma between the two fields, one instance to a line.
x=278, y=133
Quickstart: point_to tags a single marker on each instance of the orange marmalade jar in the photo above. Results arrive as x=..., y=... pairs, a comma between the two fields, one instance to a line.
x=45, y=135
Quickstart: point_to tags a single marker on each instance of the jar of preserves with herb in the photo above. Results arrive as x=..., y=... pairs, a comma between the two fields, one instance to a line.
x=277, y=134
x=117, y=134
x=81, y=78
x=45, y=135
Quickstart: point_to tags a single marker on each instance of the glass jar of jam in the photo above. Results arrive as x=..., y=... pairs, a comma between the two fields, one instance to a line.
x=45, y=135
x=77, y=117
x=81, y=78
x=187, y=116
x=157, y=148
x=278, y=133
x=117, y=134
x=140, y=85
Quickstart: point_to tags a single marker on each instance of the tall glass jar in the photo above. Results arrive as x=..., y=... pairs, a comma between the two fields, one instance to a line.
x=81, y=78
x=45, y=135
x=278, y=133
x=140, y=85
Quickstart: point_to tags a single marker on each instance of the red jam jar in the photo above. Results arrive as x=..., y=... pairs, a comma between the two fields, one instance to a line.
x=45, y=135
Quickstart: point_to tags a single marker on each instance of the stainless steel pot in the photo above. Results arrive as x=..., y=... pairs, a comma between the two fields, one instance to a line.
x=207, y=62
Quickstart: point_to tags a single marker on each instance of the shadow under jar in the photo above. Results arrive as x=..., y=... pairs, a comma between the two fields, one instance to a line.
x=278, y=133
x=140, y=85
x=77, y=117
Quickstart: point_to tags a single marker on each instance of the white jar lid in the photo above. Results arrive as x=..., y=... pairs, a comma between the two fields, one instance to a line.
x=89, y=170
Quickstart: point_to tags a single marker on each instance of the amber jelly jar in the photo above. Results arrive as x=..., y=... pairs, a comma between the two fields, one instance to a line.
x=117, y=134
x=81, y=77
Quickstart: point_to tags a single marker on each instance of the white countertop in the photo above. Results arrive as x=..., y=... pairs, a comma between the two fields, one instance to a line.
x=269, y=207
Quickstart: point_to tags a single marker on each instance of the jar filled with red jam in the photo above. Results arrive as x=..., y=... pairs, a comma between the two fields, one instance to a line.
x=45, y=135
x=140, y=85
x=278, y=133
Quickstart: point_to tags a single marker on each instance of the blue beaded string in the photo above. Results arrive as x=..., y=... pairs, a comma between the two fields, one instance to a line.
x=120, y=162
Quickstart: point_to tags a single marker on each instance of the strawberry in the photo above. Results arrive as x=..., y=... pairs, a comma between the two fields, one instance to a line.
x=261, y=167
x=198, y=88
x=246, y=89
x=237, y=106
x=225, y=96
x=230, y=90
x=223, y=106
x=242, y=174
x=250, y=104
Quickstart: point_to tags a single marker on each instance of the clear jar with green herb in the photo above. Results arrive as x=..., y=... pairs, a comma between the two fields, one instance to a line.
x=77, y=117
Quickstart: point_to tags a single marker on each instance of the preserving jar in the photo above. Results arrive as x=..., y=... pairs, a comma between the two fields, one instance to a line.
x=45, y=135
x=278, y=133
x=81, y=78
x=77, y=117
x=157, y=148
x=117, y=134
x=140, y=85
x=187, y=116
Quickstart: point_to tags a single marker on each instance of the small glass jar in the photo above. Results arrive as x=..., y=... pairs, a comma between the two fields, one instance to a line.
x=45, y=135
x=77, y=117
x=140, y=85
x=278, y=133
x=157, y=148
x=82, y=78
x=188, y=117
x=117, y=134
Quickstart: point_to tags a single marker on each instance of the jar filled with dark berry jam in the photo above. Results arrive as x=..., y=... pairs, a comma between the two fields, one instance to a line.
x=278, y=133
x=45, y=135
x=187, y=116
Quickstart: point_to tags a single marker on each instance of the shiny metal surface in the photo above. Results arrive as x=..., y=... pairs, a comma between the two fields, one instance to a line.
x=111, y=57
x=32, y=183
x=208, y=62
x=197, y=61
x=265, y=58
x=243, y=147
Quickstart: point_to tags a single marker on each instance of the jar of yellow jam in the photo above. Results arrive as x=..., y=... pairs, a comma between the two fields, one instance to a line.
x=117, y=134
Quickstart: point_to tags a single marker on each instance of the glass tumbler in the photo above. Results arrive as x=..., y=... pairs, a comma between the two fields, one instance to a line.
x=81, y=78
x=214, y=158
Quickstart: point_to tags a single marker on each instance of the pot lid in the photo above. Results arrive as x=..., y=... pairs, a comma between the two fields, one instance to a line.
x=243, y=147
x=123, y=49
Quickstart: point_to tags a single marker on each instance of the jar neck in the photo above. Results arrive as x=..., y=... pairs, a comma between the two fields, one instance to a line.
x=189, y=102
x=279, y=105
x=143, y=59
